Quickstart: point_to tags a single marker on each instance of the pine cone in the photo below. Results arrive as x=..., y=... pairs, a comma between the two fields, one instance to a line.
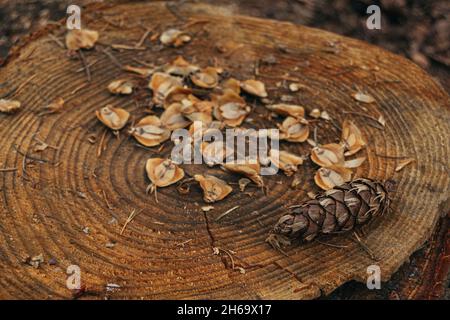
x=334, y=211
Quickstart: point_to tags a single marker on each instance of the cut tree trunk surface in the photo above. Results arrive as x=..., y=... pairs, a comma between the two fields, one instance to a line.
x=71, y=205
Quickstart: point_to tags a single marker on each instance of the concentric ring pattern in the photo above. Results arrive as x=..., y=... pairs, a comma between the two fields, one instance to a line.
x=69, y=204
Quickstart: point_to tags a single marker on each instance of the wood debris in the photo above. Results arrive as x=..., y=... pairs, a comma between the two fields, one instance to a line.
x=294, y=87
x=130, y=218
x=363, y=97
x=226, y=213
x=174, y=37
x=9, y=106
x=403, y=164
x=315, y=113
x=53, y=107
x=207, y=208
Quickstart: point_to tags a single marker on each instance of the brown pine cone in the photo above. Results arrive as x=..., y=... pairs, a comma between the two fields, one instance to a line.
x=337, y=210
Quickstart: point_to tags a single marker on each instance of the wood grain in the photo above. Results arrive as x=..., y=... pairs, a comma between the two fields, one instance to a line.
x=167, y=250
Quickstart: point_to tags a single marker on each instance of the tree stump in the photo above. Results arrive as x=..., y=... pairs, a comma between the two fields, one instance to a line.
x=70, y=205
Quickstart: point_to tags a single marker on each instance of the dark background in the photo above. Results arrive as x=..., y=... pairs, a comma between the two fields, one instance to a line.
x=418, y=30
